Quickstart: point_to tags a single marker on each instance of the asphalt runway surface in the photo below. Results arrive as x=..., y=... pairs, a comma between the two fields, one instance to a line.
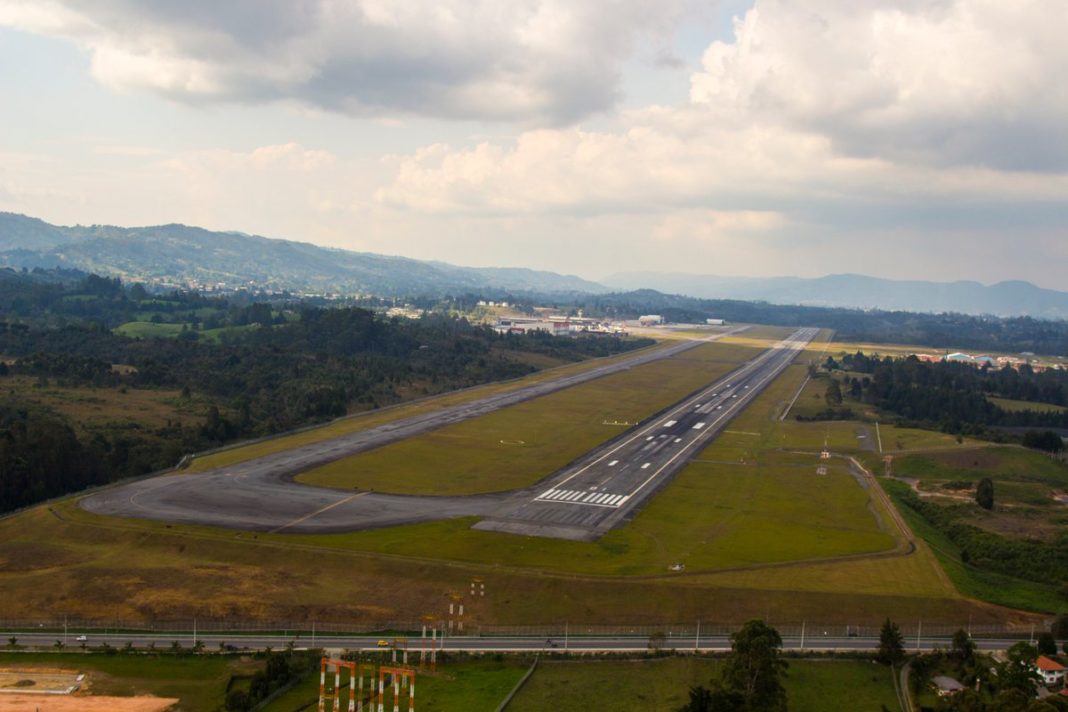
x=260, y=494
x=614, y=481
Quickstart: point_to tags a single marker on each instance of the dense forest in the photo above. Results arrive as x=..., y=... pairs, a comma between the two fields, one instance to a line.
x=954, y=397
x=281, y=367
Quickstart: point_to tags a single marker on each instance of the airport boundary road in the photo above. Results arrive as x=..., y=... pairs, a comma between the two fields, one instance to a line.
x=814, y=642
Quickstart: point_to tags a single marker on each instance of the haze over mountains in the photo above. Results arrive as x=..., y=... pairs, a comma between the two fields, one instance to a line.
x=182, y=254
x=1009, y=298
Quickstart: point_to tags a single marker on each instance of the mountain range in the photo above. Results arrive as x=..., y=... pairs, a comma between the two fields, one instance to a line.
x=184, y=255
x=1009, y=298
x=179, y=254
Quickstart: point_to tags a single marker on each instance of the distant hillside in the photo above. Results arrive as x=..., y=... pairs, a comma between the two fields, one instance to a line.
x=178, y=253
x=857, y=291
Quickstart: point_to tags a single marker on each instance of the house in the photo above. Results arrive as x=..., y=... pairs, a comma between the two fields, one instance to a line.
x=946, y=686
x=1052, y=672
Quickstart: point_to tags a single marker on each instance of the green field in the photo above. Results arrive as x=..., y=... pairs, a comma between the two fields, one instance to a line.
x=750, y=522
x=516, y=446
x=1013, y=406
x=361, y=421
x=150, y=330
x=199, y=682
x=663, y=685
x=1004, y=464
x=979, y=583
x=460, y=686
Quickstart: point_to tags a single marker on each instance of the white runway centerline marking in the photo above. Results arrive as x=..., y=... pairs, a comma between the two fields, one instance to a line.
x=699, y=426
x=646, y=466
x=613, y=463
x=670, y=423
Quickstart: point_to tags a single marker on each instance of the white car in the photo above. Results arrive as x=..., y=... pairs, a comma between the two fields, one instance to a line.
x=81, y=639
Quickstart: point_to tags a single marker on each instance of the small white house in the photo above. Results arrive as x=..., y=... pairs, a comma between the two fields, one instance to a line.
x=1052, y=672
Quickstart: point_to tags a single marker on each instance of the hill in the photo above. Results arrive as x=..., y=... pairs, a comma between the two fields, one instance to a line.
x=1012, y=298
x=180, y=254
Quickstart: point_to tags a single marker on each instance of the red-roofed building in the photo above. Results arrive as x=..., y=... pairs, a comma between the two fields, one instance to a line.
x=1052, y=672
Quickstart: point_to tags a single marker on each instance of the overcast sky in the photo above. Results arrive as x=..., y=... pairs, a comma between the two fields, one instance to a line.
x=906, y=138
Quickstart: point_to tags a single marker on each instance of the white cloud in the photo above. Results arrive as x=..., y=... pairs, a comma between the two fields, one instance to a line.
x=947, y=82
x=825, y=105
x=531, y=60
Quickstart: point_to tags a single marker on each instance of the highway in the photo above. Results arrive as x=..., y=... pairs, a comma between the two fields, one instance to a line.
x=561, y=642
x=584, y=501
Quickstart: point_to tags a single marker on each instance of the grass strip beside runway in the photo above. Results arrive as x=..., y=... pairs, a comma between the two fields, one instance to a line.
x=516, y=446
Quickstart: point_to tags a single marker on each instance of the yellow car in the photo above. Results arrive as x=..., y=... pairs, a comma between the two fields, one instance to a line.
x=383, y=643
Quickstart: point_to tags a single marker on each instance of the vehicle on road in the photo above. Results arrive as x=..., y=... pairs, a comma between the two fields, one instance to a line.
x=383, y=643
x=81, y=638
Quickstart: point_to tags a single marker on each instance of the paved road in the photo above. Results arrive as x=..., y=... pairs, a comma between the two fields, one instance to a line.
x=584, y=501
x=558, y=643
x=260, y=494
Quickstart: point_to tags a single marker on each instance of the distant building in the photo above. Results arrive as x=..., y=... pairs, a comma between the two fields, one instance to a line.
x=715, y=322
x=650, y=320
x=1052, y=672
x=946, y=686
x=958, y=357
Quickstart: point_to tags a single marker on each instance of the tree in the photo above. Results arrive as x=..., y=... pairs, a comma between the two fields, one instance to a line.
x=754, y=667
x=657, y=640
x=833, y=396
x=1018, y=671
x=1046, y=440
x=891, y=644
x=700, y=700
x=984, y=493
x=12, y=641
x=1059, y=627
x=1046, y=644
x=962, y=648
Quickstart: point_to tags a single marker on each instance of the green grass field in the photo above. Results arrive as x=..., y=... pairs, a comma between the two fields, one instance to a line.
x=361, y=421
x=663, y=685
x=516, y=446
x=149, y=330
x=974, y=582
x=479, y=683
x=199, y=682
x=1018, y=405
x=1001, y=463
x=740, y=519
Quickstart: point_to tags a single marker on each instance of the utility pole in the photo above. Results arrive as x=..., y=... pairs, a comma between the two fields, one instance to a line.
x=565, y=636
x=697, y=639
x=919, y=631
x=802, y=636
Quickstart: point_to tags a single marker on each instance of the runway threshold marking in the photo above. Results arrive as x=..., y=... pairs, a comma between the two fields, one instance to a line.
x=745, y=370
x=317, y=512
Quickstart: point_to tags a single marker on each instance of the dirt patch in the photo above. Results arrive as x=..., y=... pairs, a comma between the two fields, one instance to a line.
x=83, y=703
x=39, y=680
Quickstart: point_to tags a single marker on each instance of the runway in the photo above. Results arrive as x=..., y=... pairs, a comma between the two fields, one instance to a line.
x=260, y=495
x=611, y=483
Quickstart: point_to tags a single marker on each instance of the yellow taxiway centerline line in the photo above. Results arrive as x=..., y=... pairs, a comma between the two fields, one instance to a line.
x=316, y=512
